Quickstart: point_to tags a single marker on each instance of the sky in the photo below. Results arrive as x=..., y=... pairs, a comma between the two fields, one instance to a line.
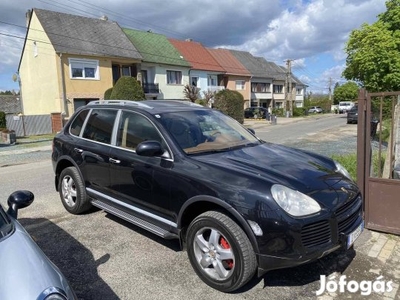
x=310, y=33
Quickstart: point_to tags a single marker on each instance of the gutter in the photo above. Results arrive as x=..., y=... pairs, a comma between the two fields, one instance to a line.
x=63, y=95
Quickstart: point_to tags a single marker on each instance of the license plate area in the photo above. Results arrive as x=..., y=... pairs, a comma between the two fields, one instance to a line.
x=351, y=238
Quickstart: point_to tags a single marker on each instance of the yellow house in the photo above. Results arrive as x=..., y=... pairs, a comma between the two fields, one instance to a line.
x=69, y=60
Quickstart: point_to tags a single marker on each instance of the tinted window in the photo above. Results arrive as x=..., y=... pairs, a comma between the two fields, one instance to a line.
x=77, y=124
x=133, y=129
x=100, y=125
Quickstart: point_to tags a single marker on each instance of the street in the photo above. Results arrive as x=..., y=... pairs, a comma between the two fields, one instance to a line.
x=104, y=257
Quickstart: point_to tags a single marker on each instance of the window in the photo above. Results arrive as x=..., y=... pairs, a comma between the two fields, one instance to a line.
x=260, y=87
x=174, y=77
x=278, y=88
x=134, y=129
x=240, y=84
x=35, y=49
x=77, y=124
x=212, y=80
x=100, y=125
x=84, y=69
x=194, y=80
x=299, y=91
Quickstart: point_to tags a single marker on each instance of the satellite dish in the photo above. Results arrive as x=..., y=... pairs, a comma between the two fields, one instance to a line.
x=15, y=77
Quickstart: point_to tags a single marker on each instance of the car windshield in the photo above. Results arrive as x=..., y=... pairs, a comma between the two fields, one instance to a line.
x=201, y=131
x=5, y=226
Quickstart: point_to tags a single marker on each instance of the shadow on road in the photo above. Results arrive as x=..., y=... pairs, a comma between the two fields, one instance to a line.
x=74, y=260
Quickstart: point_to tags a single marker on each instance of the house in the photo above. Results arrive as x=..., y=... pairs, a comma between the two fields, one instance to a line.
x=164, y=71
x=69, y=60
x=236, y=76
x=205, y=73
x=261, y=79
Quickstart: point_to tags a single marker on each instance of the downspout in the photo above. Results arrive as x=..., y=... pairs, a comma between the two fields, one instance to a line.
x=63, y=95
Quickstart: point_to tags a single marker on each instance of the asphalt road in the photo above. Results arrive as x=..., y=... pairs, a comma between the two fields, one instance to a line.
x=106, y=258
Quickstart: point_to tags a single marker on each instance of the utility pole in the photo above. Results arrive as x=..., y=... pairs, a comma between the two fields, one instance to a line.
x=330, y=90
x=289, y=93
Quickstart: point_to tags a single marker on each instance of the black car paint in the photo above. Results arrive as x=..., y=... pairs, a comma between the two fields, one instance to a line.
x=232, y=180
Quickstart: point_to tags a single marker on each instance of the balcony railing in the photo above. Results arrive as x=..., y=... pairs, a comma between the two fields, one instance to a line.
x=151, y=88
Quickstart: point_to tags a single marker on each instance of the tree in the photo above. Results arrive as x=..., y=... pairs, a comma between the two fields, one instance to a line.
x=230, y=103
x=346, y=92
x=191, y=92
x=127, y=88
x=373, y=52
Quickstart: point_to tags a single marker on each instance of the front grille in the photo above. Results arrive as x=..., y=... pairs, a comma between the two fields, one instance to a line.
x=349, y=205
x=347, y=223
x=316, y=234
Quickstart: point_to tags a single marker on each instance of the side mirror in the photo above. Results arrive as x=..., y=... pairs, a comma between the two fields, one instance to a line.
x=18, y=200
x=149, y=148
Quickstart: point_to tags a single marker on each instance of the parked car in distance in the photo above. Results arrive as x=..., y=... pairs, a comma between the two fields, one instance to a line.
x=352, y=115
x=345, y=106
x=256, y=112
x=315, y=109
x=238, y=205
x=26, y=272
x=352, y=118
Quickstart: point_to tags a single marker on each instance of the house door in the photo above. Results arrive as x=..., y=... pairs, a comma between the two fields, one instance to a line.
x=378, y=159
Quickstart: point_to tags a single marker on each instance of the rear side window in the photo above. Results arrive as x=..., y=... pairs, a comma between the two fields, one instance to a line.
x=100, y=125
x=77, y=124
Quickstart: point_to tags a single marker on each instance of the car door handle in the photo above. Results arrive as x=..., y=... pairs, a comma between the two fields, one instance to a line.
x=78, y=150
x=114, y=161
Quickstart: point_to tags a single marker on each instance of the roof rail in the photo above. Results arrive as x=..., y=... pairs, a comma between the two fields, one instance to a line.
x=120, y=102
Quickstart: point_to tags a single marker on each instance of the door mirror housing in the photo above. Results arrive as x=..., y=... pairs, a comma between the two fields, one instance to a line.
x=149, y=148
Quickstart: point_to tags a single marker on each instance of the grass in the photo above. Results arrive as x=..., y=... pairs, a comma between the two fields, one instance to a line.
x=349, y=161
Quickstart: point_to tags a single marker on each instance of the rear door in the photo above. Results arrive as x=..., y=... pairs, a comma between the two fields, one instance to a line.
x=93, y=149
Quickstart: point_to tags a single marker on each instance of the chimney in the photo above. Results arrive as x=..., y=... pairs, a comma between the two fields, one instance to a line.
x=104, y=18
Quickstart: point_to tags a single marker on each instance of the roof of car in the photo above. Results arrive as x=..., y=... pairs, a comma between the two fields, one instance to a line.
x=151, y=106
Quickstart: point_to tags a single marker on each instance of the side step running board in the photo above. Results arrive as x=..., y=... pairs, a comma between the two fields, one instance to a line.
x=134, y=220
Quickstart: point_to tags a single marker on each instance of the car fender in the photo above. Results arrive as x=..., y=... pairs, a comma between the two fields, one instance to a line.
x=56, y=166
x=237, y=216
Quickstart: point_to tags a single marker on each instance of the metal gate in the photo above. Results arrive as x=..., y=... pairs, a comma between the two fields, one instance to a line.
x=378, y=159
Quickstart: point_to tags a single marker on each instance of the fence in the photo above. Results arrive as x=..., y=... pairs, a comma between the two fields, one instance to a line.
x=29, y=125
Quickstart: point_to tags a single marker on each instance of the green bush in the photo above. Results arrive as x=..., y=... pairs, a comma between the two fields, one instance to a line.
x=202, y=102
x=278, y=112
x=3, y=123
x=230, y=103
x=107, y=94
x=299, y=111
x=127, y=88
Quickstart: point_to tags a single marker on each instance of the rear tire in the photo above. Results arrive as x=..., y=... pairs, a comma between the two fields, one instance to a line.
x=72, y=191
x=220, y=252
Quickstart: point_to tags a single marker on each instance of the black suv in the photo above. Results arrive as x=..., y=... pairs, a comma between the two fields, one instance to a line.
x=179, y=170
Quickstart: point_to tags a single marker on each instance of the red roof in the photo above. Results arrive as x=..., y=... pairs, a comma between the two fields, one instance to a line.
x=229, y=62
x=197, y=55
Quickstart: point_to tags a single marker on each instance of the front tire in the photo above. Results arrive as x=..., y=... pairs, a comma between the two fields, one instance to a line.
x=220, y=252
x=72, y=191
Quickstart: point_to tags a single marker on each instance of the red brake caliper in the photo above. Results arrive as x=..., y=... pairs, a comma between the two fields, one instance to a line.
x=224, y=244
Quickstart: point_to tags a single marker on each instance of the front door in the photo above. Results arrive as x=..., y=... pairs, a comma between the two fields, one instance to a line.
x=133, y=176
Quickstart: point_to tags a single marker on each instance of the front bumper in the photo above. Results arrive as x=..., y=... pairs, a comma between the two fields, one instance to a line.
x=312, y=240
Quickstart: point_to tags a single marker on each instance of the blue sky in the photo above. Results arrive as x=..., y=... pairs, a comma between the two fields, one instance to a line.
x=311, y=33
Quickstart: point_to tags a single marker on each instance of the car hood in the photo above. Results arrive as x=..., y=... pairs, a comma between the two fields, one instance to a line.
x=309, y=173
x=26, y=270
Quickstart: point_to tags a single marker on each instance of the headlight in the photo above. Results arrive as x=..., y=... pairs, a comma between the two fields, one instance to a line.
x=342, y=170
x=293, y=202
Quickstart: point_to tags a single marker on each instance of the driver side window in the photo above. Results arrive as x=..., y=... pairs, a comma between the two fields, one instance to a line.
x=133, y=129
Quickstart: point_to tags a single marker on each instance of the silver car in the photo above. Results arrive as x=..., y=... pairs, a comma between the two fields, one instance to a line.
x=26, y=272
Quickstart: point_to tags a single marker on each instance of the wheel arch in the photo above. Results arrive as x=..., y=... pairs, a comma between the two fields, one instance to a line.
x=63, y=163
x=200, y=204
